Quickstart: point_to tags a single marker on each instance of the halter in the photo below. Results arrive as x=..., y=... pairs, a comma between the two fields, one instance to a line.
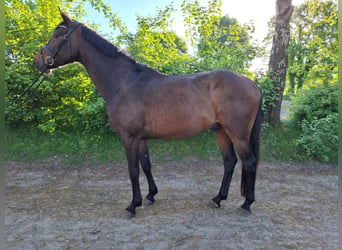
x=50, y=59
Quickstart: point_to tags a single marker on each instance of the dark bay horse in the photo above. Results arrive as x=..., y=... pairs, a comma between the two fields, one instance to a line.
x=145, y=104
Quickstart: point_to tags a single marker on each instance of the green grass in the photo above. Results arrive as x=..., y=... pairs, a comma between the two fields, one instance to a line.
x=277, y=144
x=203, y=147
x=29, y=146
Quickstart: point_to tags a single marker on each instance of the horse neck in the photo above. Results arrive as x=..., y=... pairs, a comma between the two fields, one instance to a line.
x=107, y=73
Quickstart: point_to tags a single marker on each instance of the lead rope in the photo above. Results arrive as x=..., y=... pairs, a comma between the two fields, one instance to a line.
x=18, y=101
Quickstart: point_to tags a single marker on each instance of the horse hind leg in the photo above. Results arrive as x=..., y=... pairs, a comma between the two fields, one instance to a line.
x=229, y=161
x=248, y=175
x=146, y=166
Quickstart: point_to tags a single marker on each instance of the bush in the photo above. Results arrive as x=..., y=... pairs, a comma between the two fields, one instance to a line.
x=313, y=112
x=67, y=101
x=319, y=139
x=313, y=104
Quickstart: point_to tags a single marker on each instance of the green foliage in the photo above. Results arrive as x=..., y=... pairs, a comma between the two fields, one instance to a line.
x=268, y=89
x=313, y=44
x=222, y=43
x=313, y=113
x=67, y=100
x=319, y=139
x=182, y=65
x=278, y=144
x=203, y=147
x=201, y=21
x=85, y=149
x=313, y=104
x=152, y=44
x=95, y=148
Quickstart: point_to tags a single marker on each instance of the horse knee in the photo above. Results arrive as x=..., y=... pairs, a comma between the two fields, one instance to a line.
x=230, y=162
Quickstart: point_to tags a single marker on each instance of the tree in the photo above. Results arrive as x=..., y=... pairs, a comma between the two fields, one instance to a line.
x=313, y=44
x=153, y=44
x=278, y=61
x=230, y=45
x=221, y=42
x=179, y=43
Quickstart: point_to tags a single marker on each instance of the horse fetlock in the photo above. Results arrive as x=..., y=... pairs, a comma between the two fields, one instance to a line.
x=137, y=203
x=153, y=191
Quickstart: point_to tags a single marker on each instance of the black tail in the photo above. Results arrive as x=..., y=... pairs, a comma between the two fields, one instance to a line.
x=254, y=145
x=255, y=135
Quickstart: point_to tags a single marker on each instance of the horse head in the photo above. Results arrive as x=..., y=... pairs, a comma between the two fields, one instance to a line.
x=62, y=47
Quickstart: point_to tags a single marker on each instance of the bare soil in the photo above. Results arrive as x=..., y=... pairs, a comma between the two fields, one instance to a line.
x=53, y=206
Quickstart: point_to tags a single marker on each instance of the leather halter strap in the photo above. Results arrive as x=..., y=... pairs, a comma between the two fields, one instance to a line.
x=51, y=58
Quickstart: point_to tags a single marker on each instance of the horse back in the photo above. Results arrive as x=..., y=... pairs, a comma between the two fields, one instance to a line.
x=174, y=107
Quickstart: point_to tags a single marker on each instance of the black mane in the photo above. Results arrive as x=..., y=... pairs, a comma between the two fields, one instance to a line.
x=109, y=49
x=102, y=44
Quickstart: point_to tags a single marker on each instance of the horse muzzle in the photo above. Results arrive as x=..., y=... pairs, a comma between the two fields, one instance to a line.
x=40, y=65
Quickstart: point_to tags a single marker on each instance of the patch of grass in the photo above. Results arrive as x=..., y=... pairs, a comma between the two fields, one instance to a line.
x=277, y=144
x=30, y=146
x=203, y=146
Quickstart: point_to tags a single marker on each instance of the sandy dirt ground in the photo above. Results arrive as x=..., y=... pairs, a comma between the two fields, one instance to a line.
x=53, y=206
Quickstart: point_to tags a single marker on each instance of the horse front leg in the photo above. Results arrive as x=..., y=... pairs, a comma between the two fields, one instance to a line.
x=131, y=146
x=146, y=166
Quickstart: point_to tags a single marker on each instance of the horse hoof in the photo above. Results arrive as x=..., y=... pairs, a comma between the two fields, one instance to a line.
x=246, y=207
x=130, y=212
x=214, y=204
x=243, y=212
x=128, y=215
x=148, y=202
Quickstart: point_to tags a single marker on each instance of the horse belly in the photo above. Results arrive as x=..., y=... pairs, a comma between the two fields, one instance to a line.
x=173, y=122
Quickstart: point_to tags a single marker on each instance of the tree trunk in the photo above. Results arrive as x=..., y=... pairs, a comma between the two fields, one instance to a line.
x=278, y=62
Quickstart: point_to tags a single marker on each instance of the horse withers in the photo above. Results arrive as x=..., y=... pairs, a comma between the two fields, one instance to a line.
x=144, y=104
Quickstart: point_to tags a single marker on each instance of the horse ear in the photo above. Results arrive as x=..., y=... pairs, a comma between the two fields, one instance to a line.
x=65, y=17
